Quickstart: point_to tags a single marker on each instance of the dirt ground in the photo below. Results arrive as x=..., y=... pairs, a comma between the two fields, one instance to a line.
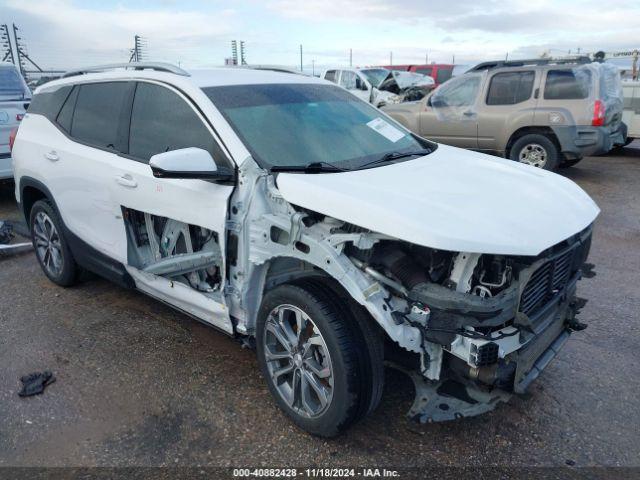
x=139, y=384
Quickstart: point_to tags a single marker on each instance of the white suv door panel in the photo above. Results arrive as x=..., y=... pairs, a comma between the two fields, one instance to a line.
x=162, y=119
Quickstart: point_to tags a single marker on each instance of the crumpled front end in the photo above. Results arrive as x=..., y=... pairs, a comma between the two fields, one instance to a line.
x=489, y=323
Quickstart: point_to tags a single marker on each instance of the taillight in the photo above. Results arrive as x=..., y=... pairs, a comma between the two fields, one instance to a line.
x=12, y=138
x=19, y=117
x=599, y=113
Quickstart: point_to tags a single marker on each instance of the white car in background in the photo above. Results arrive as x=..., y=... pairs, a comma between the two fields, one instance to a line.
x=380, y=86
x=14, y=100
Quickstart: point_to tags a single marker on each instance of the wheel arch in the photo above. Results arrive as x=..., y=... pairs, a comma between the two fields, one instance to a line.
x=540, y=130
x=32, y=190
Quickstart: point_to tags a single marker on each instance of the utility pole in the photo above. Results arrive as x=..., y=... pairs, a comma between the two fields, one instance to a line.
x=426, y=58
x=453, y=59
x=351, y=57
x=243, y=60
x=301, y=57
x=5, y=43
x=313, y=68
x=234, y=52
x=390, y=58
x=22, y=54
x=137, y=52
x=506, y=57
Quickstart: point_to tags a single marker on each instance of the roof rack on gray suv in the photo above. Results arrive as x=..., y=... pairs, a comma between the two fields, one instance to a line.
x=157, y=66
x=532, y=61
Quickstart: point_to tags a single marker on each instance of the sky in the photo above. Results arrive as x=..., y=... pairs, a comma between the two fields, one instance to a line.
x=63, y=34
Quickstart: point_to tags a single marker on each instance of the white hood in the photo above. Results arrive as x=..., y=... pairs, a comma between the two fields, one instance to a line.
x=451, y=199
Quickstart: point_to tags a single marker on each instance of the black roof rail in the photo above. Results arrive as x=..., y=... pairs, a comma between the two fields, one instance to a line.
x=533, y=62
x=157, y=66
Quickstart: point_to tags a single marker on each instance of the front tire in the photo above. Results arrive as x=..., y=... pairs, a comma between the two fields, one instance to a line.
x=536, y=150
x=50, y=245
x=310, y=353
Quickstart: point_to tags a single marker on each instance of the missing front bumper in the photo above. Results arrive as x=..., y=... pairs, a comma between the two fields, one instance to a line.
x=450, y=399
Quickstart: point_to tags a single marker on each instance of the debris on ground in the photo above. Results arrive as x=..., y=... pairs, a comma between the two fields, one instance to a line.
x=6, y=232
x=6, y=236
x=34, y=383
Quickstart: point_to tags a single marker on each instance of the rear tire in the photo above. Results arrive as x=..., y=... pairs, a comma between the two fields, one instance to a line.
x=50, y=245
x=318, y=373
x=536, y=150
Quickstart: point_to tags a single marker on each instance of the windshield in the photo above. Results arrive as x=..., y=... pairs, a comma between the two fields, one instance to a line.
x=12, y=86
x=375, y=75
x=292, y=125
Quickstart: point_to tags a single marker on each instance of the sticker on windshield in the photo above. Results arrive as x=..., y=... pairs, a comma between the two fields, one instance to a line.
x=386, y=130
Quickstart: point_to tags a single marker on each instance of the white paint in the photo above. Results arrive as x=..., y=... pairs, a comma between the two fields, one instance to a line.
x=452, y=199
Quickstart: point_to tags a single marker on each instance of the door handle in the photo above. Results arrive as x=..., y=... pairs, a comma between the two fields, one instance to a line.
x=52, y=155
x=126, y=181
x=469, y=113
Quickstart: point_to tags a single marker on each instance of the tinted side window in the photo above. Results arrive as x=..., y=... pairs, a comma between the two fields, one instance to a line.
x=162, y=121
x=66, y=114
x=97, y=113
x=49, y=103
x=331, y=75
x=567, y=85
x=510, y=88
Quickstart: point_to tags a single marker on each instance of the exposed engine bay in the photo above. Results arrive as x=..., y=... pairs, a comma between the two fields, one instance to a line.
x=470, y=329
x=486, y=320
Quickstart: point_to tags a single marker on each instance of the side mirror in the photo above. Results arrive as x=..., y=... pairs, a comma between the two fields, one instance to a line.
x=361, y=85
x=188, y=163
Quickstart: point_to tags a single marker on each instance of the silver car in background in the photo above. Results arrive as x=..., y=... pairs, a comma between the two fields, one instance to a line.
x=15, y=97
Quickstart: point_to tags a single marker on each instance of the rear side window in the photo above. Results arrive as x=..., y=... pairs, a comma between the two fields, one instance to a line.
x=510, y=88
x=331, y=75
x=48, y=103
x=97, y=113
x=66, y=114
x=567, y=84
x=162, y=121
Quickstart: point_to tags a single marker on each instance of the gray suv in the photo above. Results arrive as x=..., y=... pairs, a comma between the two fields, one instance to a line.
x=540, y=112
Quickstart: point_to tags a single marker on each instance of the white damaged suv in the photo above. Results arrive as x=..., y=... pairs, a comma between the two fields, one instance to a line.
x=282, y=210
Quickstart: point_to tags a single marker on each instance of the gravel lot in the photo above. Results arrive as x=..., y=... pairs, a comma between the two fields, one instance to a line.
x=140, y=384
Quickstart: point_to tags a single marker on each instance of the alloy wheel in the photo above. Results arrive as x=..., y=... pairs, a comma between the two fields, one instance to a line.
x=298, y=361
x=47, y=243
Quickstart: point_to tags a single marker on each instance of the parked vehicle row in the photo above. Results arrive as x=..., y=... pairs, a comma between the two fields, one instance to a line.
x=286, y=211
x=542, y=113
x=440, y=72
x=379, y=86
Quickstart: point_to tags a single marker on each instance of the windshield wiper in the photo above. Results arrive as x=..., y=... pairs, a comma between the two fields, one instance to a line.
x=315, y=167
x=389, y=157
